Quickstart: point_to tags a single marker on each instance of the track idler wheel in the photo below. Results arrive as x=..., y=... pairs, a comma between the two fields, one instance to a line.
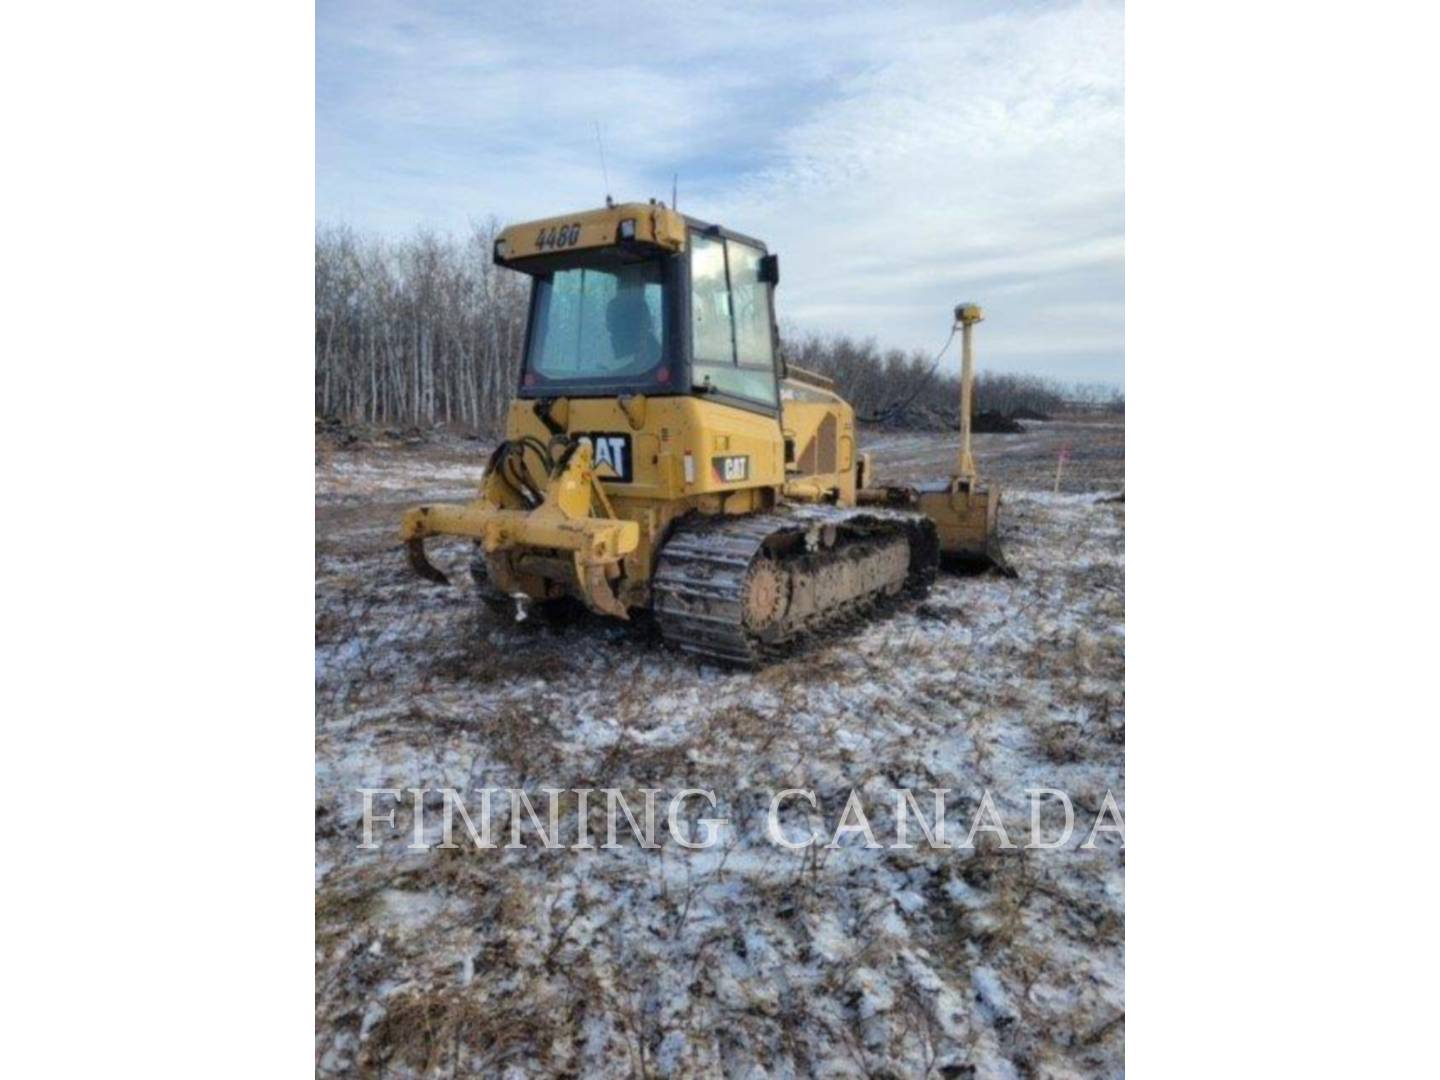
x=766, y=596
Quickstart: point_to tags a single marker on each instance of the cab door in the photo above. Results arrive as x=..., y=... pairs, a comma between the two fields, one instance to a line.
x=732, y=321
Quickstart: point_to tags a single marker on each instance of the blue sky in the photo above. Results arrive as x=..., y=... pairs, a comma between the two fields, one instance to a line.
x=899, y=157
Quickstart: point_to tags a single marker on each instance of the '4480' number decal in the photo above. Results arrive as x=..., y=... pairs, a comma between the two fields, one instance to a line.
x=558, y=236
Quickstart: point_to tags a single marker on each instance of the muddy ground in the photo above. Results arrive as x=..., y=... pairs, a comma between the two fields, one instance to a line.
x=745, y=959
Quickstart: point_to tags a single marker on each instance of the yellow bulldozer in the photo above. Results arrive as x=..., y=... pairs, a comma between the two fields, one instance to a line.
x=661, y=456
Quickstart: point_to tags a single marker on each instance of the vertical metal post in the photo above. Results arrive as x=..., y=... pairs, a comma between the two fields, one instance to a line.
x=967, y=315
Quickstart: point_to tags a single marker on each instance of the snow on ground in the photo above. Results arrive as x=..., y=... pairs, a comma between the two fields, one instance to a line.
x=745, y=959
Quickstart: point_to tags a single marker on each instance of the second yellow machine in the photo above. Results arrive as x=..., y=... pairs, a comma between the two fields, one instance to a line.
x=660, y=456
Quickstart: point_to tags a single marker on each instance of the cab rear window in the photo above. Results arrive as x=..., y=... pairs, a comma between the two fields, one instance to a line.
x=599, y=325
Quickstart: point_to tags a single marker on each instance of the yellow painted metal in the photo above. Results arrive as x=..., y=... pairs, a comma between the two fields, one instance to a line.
x=655, y=224
x=966, y=516
x=593, y=539
x=565, y=521
x=966, y=511
x=672, y=428
x=819, y=426
x=967, y=315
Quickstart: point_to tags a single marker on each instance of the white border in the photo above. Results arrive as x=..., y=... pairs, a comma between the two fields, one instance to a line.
x=158, y=437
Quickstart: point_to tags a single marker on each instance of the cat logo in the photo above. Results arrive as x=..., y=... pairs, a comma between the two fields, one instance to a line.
x=731, y=469
x=612, y=455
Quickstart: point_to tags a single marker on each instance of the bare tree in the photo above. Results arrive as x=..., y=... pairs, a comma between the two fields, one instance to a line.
x=423, y=330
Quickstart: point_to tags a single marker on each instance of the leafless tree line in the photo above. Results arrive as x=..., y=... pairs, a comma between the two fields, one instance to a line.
x=427, y=330
x=908, y=390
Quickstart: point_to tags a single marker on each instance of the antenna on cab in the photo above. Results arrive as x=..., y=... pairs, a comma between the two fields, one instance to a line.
x=603, y=171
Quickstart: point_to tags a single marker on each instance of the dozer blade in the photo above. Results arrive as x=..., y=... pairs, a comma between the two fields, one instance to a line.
x=998, y=562
x=415, y=549
x=978, y=559
x=966, y=514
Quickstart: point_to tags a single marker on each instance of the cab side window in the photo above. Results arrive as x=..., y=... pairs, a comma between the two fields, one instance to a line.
x=750, y=299
x=710, y=302
x=733, y=350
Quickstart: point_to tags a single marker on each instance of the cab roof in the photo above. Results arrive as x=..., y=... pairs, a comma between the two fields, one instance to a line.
x=638, y=230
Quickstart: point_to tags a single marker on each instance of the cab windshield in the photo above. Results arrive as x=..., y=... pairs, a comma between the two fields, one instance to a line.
x=599, y=326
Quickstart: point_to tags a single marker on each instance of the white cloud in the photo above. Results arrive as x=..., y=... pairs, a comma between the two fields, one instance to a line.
x=901, y=158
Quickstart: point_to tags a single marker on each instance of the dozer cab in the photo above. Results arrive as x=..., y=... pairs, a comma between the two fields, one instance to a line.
x=660, y=457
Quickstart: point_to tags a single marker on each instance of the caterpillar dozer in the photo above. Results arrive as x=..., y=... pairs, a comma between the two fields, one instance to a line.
x=660, y=456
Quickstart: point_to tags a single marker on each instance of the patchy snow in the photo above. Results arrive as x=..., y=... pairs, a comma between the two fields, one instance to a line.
x=745, y=959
